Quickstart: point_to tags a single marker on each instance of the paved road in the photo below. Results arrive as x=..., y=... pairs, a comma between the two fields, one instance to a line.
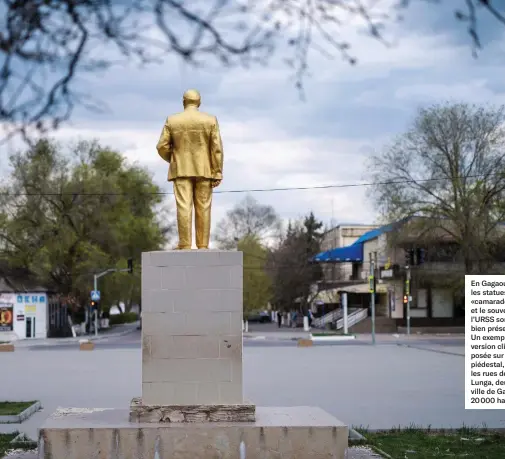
x=376, y=386
x=266, y=339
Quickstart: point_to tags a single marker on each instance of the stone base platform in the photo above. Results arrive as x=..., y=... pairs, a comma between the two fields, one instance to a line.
x=191, y=413
x=277, y=433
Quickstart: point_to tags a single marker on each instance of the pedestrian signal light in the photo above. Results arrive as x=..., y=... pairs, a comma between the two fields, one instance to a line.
x=405, y=299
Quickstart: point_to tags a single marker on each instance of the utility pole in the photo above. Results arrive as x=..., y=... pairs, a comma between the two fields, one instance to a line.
x=95, y=286
x=407, y=294
x=372, y=294
x=343, y=298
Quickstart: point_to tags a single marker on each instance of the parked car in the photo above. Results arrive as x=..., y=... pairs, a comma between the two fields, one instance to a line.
x=261, y=317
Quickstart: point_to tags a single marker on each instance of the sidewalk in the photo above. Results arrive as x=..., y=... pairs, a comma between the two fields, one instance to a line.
x=354, y=452
x=113, y=332
x=277, y=335
x=404, y=338
x=380, y=338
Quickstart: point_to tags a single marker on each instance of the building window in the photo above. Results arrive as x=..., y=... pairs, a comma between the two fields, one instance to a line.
x=421, y=299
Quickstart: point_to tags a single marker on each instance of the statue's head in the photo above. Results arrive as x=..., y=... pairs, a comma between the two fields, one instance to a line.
x=191, y=97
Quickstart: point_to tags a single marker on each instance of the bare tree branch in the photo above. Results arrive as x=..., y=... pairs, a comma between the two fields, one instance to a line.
x=45, y=44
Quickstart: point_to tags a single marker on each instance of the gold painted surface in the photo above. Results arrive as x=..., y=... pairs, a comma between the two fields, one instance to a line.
x=191, y=143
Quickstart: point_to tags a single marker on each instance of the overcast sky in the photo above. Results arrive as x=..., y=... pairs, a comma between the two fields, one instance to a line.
x=273, y=139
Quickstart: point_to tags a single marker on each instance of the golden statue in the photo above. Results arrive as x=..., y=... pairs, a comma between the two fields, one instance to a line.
x=191, y=143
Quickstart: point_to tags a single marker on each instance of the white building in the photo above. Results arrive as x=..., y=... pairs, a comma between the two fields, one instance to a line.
x=28, y=310
x=27, y=313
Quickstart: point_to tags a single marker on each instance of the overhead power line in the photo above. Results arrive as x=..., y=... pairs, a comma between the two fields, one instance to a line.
x=259, y=190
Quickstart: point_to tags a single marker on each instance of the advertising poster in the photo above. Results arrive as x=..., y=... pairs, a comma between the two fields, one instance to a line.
x=6, y=317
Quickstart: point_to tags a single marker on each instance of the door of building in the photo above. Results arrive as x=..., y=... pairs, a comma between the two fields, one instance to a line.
x=30, y=327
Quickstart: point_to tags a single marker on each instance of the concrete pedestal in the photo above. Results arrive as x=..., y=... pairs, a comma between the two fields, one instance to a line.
x=192, y=404
x=277, y=433
x=192, y=327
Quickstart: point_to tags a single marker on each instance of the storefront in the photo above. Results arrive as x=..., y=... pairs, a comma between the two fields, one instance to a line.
x=24, y=314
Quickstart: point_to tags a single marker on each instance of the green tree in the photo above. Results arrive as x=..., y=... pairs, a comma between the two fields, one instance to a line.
x=257, y=284
x=450, y=168
x=293, y=271
x=67, y=214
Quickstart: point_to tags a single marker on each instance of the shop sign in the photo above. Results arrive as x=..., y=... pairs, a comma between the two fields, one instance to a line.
x=30, y=309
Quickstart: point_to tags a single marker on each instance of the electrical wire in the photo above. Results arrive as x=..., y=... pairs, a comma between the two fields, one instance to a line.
x=259, y=190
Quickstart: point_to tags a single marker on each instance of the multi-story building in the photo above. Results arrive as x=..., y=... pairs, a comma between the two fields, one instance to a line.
x=342, y=235
x=436, y=274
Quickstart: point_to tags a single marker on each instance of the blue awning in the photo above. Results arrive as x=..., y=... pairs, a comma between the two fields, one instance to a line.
x=353, y=252
x=350, y=253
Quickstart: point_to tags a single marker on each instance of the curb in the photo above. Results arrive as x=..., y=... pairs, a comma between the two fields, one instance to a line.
x=382, y=453
x=23, y=416
x=354, y=435
x=333, y=338
x=7, y=347
x=77, y=340
x=113, y=335
x=268, y=338
x=24, y=441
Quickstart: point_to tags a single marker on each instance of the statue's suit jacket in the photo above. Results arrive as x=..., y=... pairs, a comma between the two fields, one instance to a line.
x=191, y=143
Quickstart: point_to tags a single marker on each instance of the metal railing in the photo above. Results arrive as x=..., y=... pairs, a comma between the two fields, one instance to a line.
x=353, y=318
x=336, y=316
x=328, y=318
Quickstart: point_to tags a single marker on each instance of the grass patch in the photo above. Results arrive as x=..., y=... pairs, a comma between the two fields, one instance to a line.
x=6, y=445
x=5, y=440
x=417, y=443
x=13, y=408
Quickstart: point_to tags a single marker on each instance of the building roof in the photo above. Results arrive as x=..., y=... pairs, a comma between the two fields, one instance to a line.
x=353, y=252
x=15, y=280
x=349, y=225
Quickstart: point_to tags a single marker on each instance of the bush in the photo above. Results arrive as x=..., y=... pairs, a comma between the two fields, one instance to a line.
x=124, y=318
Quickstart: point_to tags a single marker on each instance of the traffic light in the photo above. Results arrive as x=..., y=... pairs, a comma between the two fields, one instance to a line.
x=409, y=257
x=421, y=253
x=94, y=305
x=130, y=265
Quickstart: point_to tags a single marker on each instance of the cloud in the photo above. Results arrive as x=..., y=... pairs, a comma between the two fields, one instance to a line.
x=273, y=139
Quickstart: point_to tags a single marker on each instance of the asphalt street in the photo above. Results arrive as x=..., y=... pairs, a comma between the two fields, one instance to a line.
x=432, y=343
x=394, y=383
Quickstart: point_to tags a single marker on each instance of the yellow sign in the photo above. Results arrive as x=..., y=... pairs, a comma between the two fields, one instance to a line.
x=388, y=264
x=30, y=309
